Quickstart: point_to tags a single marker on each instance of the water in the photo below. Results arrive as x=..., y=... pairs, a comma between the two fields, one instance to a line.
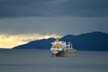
x=41, y=61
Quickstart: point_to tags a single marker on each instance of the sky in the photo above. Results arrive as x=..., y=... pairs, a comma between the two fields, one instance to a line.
x=24, y=20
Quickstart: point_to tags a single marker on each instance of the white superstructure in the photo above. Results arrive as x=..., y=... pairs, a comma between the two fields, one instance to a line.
x=61, y=48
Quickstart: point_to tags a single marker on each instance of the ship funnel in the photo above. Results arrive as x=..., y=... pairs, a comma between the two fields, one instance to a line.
x=57, y=42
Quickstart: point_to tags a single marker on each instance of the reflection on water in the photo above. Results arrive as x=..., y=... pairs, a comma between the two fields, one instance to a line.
x=41, y=61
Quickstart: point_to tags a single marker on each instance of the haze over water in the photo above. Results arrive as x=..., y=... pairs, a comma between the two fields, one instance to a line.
x=41, y=61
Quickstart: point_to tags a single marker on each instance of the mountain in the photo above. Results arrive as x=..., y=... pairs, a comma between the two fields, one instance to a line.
x=90, y=41
x=38, y=44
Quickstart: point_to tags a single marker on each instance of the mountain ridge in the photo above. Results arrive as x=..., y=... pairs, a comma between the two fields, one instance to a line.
x=89, y=41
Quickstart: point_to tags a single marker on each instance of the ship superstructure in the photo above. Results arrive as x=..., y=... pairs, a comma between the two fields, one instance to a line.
x=61, y=48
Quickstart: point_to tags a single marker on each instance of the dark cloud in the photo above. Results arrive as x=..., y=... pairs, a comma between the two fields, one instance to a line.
x=82, y=8
x=49, y=25
x=20, y=2
x=89, y=8
x=53, y=16
x=14, y=8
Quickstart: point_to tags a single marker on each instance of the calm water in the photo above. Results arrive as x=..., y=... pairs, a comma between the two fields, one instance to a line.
x=41, y=61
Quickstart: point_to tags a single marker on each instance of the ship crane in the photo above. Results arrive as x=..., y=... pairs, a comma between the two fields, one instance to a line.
x=61, y=48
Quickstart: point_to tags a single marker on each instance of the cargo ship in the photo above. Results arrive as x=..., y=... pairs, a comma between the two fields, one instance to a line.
x=62, y=49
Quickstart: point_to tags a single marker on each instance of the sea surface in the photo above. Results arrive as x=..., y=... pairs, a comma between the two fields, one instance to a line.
x=41, y=61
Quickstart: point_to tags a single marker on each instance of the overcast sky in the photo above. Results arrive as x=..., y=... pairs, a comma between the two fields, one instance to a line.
x=53, y=16
x=22, y=21
x=83, y=8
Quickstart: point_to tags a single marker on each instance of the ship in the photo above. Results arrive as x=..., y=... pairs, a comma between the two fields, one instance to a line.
x=62, y=49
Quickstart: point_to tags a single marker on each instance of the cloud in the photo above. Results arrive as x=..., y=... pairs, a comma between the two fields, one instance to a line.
x=79, y=8
x=50, y=16
x=9, y=41
x=56, y=25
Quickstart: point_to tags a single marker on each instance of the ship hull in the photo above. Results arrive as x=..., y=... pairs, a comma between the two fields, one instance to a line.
x=64, y=54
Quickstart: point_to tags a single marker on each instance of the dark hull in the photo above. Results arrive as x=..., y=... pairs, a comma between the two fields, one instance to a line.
x=64, y=54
